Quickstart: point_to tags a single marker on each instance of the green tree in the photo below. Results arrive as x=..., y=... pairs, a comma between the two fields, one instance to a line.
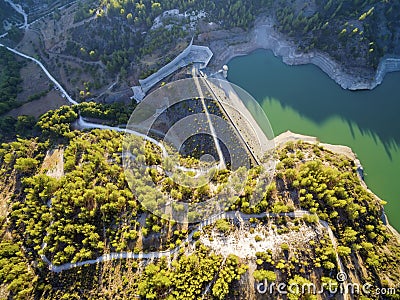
x=261, y=275
x=26, y=165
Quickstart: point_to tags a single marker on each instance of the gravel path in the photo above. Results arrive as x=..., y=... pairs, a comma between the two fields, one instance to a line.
x=111, y=256
x=234, y=215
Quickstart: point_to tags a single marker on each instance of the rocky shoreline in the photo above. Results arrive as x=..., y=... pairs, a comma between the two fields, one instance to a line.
x=289, y=136
x=227, y=45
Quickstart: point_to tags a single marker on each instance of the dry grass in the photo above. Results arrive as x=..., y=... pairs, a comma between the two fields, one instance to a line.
x=53, y=163
x=7, y=189
x=4, y=292
x=242, y=242
x=51, y=101
x=34, y=81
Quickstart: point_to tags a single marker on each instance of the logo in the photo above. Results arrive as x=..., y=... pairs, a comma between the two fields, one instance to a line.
x=341, y=277
x=332, y=287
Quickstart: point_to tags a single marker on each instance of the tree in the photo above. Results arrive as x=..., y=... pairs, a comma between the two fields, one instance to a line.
x=328, y=265
x=300, y=286
x=57, y=123
x=26, y=165
x=261, y=275
x=343, y=250
x=285, y=247
x=223, y=225
x=25, y=124
x=350, y=235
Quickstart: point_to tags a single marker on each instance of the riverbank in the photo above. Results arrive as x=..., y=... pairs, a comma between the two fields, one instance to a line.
x=229, y=44
x=289, y=136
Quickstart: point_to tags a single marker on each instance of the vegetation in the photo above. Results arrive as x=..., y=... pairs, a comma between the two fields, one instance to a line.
x=22, y=126
x=89, y=210
x=344, y=29
x=10, y=80
x=232, y=13
x=8, y=14
x=115, y=113
x=14, y=271
x=189, y=276
x=117, y=45
x=58, y=123
x=329, y=186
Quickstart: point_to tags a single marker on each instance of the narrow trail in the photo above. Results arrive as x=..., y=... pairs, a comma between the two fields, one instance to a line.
x=234, y=215
x=123, y=255
x=50, y=13
x=56, y=83
x=87, y=125
x=157, y=254
x=25, y=26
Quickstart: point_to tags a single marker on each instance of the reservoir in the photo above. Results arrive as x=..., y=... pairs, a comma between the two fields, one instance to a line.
x=303, y=99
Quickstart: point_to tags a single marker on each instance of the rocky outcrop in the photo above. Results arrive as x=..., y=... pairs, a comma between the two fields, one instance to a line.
x=264, y=36
x=289, y=136
x=388, y=64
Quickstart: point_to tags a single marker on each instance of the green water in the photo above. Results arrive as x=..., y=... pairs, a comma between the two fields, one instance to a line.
x=305, y=100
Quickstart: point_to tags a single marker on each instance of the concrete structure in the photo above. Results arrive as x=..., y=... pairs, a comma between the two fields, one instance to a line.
x=225, y=71
x=192, y=54
x=232, y=105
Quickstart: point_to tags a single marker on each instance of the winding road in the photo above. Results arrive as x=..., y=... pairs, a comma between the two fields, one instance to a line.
x=56, y=83
x=234, y=215
x=157, y=254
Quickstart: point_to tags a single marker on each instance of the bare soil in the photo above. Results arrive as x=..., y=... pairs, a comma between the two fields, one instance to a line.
x=51, y=101
x=54, y=163
x=47, y=38
x=34, y=81
x=245, y=245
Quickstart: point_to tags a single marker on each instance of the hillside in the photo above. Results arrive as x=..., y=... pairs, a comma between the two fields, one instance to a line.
x=93, y=45
x=314, y=220
x=91, y=211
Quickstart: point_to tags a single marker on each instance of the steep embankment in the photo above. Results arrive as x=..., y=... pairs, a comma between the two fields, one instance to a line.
x=264, y=36
x=289, y=136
